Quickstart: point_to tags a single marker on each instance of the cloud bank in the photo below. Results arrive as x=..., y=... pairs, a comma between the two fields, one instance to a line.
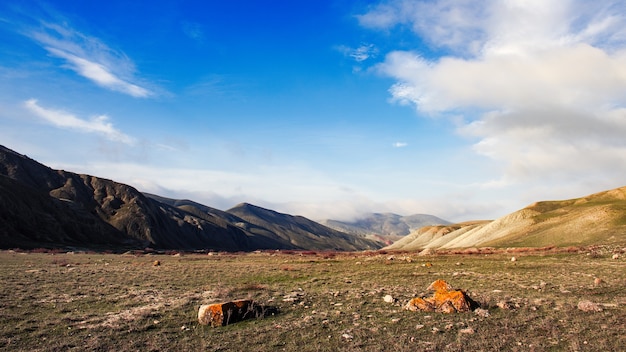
x=540, y=85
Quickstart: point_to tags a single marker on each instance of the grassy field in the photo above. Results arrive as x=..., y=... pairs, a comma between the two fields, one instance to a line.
x=324, y=301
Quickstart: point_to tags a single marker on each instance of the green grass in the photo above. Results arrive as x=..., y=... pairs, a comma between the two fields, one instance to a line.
x=94, y=302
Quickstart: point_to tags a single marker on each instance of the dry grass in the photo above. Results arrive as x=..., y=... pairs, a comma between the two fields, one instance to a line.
x=325, y=301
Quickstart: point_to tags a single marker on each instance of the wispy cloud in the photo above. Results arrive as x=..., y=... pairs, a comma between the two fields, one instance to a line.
x=360, y=53
x=541, y=84
x=400, y=144
x=91, y=58
x=98, y=124
x=193, y=30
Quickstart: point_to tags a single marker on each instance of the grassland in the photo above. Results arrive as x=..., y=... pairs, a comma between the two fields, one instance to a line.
x=324, y=301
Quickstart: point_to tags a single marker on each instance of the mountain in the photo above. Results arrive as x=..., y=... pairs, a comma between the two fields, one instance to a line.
x=388, y=225
x=300, y=231
x=43, y=207
x=595, y=219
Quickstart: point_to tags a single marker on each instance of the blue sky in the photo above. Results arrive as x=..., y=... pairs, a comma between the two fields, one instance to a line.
x=327, y=109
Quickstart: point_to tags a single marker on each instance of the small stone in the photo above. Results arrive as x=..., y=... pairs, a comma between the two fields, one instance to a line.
x=468, y=331
x=388, y=299
x=615, y=256
x=347, y=336
x=419, y=326
x=505, y=305
x=156, y=263
x=597, y=281
x=588, y=306
x=513, y=259
x=483, y=313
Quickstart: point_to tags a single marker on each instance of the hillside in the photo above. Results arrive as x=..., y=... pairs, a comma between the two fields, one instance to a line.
x=43, y=207
x=595, y=219
x=299, y=231
x=387, y=226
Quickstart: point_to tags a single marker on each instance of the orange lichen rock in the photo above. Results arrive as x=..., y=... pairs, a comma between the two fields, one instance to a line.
x=221, y=314
x=445, y=300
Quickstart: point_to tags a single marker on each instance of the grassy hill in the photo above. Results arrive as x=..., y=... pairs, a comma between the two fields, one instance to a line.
x=595, y=219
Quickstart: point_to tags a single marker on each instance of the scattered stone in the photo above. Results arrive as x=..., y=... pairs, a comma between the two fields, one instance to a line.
x=395, y=320
x=222, y=314
x=513, y=259
x=156, y=263
x=588, y=306
x=505, y=305
x=389, y=299
x=347, y=336
x=597, y=281
x=445, y=300
x=468, y=331
x=615, y=256
x=483, y=313
x=419, y=326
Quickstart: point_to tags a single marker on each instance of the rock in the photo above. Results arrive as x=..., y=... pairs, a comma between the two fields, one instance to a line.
x=468, y=331
x=615, y=256
x=483, y=313
x=445, y=300
x=513, y=259
x=156, y=263
x=588, y=306
x=597, y=281
x=505, y=305
x=221, y=314
x=389, y=299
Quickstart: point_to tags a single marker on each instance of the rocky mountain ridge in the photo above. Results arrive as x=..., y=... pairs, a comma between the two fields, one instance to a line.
x=43, y=207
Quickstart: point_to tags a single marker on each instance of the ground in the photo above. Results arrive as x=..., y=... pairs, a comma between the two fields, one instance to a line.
x=314, y=301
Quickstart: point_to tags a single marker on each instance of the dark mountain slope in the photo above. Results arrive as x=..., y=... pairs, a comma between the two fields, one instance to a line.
x=300, y=231
x=43, y=207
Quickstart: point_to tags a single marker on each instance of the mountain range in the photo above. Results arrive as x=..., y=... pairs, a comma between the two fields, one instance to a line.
x=387, y=227
x=43, y=207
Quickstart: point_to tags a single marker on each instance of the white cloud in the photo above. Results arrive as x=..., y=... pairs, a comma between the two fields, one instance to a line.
x=540, y=84
x=400, y=144
x=90, y=58
x=98, y=124
x=99, y=74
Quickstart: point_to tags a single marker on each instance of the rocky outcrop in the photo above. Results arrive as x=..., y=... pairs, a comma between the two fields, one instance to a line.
x=445, y=300
x=221, y=314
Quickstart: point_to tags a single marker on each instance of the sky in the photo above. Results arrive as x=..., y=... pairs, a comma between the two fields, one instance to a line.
x=328, y=109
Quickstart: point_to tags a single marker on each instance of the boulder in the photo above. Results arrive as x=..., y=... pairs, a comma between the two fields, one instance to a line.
x=222, y=314
x=445, y=300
